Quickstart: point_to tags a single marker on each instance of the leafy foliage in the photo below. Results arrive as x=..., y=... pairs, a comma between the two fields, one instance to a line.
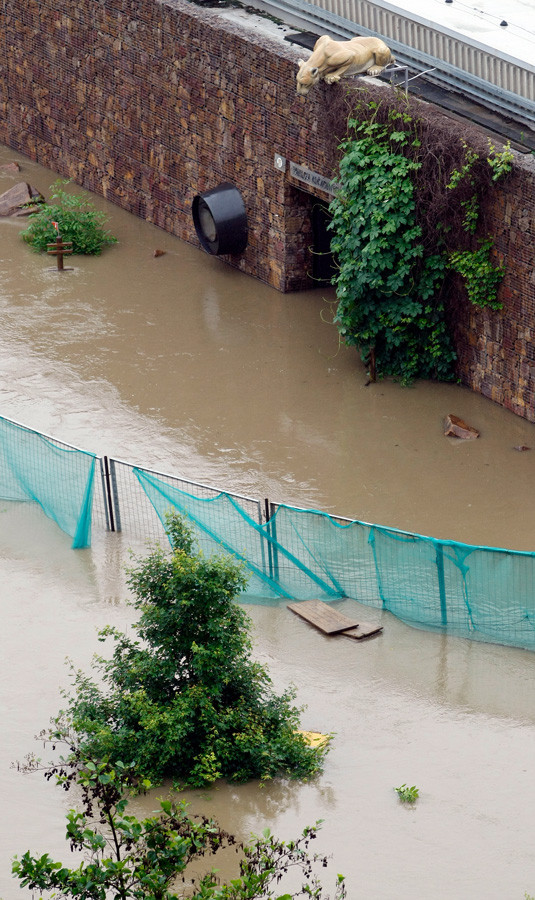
x=405, y=215
x=386, y=285
x=481, y=277
x=77, y=219
x=500, y=161
x=187, y=701
x=407, y=794
x=133, y=859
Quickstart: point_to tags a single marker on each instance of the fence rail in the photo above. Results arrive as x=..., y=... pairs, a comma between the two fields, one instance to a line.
x=481, y=593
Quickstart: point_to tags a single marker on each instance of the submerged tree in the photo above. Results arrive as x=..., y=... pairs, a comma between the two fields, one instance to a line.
x=186, y=700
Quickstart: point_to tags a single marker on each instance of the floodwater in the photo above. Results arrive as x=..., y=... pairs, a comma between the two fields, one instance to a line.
x=181, y=364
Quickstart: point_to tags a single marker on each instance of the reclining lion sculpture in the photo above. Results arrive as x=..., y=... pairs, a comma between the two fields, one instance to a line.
x=331, y=60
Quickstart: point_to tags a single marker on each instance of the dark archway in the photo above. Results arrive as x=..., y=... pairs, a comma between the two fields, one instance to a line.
x=323, y=265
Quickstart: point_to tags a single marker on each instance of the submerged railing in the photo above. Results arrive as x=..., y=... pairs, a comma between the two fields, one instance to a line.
x=476, y=592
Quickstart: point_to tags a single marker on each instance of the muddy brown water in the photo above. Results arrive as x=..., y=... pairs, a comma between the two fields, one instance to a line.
x=181, y=364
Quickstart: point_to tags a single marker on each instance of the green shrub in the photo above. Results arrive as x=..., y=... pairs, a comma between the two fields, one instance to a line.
x=141, y=859
x=407, y=794
x=77, y=220
x=186, y=701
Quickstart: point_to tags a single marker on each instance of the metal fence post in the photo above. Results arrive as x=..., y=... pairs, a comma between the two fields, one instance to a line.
x=106, y=490
x=115, y=495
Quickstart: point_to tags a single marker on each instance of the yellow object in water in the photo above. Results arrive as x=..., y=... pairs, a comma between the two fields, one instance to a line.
x=315, y=738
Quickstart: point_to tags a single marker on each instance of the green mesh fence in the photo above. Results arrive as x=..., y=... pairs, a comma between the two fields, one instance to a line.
x=481, y=593
x=56, y=476
x=475, y=592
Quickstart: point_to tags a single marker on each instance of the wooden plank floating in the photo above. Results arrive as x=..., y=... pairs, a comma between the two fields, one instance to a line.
x=330, y=621
x=362, y=631
x=320, y=614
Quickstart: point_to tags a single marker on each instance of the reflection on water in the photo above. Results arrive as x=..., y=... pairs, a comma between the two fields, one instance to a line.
x=182, y=364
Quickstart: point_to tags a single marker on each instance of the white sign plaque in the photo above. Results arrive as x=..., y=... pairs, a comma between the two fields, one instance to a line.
x=312, y=179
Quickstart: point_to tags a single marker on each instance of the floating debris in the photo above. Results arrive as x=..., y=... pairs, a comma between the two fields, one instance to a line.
x=455, y=427
x=332, y=622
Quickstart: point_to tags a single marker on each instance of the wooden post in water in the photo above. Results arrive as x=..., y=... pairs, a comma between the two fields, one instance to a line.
x=59, y=248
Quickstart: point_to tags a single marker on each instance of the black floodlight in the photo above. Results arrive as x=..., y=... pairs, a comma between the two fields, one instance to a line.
x=220, y=220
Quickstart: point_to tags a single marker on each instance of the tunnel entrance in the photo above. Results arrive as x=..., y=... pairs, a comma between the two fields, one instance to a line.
x=309, y=260
x=323, y=265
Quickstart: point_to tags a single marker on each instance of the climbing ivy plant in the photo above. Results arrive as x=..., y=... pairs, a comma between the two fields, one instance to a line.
x=481, y=277
x=386, y=285
x=398, y=228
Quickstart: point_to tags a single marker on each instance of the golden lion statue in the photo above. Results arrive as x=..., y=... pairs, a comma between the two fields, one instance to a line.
x=331, y=60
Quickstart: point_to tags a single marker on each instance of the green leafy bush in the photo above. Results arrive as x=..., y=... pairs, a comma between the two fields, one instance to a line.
x=135, y=859
x=77, y=220
x=407, y=794
x=186, y=701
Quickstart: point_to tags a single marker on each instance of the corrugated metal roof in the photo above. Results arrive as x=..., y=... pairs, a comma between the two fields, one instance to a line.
x=482, y=22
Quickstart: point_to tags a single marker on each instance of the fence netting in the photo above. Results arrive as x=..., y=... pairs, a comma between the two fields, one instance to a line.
x=59, y=477
x=477, y=592
x=481, y=593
